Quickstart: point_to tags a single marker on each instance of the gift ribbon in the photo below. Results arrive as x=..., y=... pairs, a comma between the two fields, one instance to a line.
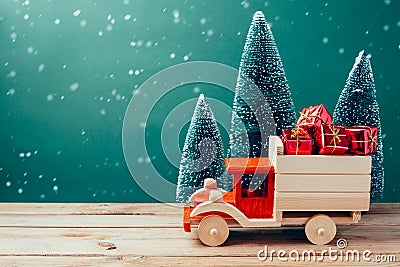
x=372, y=140
x=336, y=136
x=296, y=133
x=308, y=116
x=299, y=133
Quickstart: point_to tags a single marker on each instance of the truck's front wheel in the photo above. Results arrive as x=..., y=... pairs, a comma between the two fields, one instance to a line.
x=213, y=230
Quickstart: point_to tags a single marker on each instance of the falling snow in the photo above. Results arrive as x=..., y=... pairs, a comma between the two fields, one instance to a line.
x=12, y=74
x=11, y=91
x=74, y=86
x=175, y=14
x=50, y=97
x=77, y=12
x=386, y=27
x=41, y=68
x=140, y=39
x=13, y=36
x=245, y=4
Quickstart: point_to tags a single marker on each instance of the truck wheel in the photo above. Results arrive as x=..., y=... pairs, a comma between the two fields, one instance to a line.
x=320, y=229
x=213, y=230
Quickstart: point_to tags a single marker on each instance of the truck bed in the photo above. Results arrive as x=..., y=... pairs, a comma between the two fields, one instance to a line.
x=320, y=182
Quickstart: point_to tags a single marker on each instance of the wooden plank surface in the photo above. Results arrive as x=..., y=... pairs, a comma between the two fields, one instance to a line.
x=151, y=235
x=322, y=183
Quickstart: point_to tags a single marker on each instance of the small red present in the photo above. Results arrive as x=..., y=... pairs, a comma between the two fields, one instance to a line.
x=363, y=140
x=312, y=117
x=297, y=142
x=332, y=140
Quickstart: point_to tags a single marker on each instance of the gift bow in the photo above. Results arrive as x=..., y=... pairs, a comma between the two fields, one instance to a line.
x=336, y=136
x=296, y=134
x=373, y=140
x=308, y=116
x=299, y=133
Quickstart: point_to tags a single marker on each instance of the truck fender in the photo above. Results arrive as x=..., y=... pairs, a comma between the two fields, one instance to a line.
x=223, y=207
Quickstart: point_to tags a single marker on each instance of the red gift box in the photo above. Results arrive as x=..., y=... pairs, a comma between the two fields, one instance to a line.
x=297, y=142
x=332, y=140
x=362, y=140
x=312, y=117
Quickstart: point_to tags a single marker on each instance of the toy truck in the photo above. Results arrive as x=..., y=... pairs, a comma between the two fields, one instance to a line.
x=317, y=191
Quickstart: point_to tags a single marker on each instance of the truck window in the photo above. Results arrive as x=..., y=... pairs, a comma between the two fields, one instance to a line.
x=254, y=185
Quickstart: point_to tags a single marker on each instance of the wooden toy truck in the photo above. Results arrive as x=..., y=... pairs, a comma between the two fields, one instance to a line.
x=317, y=191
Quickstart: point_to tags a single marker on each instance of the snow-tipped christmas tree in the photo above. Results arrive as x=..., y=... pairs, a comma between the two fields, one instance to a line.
x=202, y=155
x=262, y=105
x=357, y=105
x=261, y=73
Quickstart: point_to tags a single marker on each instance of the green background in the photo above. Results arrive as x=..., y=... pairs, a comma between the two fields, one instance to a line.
x=68, y=70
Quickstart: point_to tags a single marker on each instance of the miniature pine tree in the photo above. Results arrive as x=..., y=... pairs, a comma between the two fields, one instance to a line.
x=261, y=64
x=357, y=105
x=262, y=105
x=202, y=154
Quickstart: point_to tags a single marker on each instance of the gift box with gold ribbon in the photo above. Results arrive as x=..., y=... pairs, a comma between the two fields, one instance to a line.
x=313, y=117
x=297, y=142
x=331, y=140
x=362, y=140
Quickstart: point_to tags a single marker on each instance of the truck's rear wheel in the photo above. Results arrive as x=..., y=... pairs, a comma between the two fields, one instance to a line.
x=320, y=229
x=213, y=230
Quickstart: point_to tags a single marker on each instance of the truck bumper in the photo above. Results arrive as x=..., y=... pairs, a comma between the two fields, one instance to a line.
x=186, y=218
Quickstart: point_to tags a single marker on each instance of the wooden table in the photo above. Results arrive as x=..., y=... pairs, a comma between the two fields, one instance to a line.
x=151, y=234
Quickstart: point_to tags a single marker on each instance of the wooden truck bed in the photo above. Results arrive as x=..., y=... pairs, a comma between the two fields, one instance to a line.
x=320, y=182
